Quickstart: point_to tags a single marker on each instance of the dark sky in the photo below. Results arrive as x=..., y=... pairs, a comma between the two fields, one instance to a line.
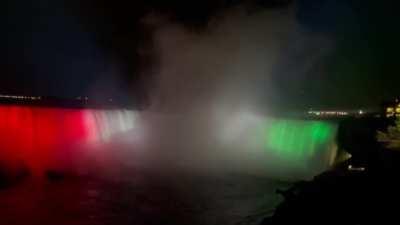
x=95, y=47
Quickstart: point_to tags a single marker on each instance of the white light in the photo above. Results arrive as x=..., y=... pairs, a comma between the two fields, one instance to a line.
x=20, y=97
x=350, y=167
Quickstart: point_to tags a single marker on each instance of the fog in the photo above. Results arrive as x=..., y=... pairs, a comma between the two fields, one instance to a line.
x=211, y=94
x=212, y=89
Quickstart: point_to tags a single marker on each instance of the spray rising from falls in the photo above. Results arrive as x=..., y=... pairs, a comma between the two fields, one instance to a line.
x=213, y=89
x=209, y=100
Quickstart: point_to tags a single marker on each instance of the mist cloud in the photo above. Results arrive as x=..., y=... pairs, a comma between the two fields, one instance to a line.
x=213, y=87
x=239, y=59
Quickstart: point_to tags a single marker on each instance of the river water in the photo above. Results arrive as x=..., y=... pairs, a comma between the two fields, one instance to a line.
x=141, y=198
x=126, y=168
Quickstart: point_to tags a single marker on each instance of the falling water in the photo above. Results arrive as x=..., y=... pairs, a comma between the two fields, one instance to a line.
x=40, y=138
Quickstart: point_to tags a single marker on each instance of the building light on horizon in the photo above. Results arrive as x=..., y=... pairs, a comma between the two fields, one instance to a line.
x=328, y=113
x=392, y=109
x=21, y=97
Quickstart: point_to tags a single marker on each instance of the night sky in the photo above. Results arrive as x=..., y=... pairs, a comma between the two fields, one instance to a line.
x=101, y=48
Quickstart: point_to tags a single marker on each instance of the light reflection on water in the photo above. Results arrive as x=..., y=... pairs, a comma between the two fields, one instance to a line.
x=134, y=195
x=141, y=199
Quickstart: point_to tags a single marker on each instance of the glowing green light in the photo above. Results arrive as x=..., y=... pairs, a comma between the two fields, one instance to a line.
x=298, y=140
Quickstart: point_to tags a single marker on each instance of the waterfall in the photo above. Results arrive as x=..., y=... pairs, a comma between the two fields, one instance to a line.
x=38, y=138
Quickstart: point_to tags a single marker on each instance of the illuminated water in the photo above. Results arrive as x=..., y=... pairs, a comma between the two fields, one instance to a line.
x=39, y=138
x=147, y=167
x=141, y=198
x=49, y=138
x=301, y=144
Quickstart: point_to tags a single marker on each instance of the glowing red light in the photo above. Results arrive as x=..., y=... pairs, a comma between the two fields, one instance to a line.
x=35, y=136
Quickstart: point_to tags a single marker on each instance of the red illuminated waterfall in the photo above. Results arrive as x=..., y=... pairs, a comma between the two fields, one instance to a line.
x=35, y=136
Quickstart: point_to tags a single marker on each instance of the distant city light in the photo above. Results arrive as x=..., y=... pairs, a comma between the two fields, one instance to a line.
x=393, y=109
x=20, y=97
x=328, y=113
x=351, y=168
x=82, y=99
